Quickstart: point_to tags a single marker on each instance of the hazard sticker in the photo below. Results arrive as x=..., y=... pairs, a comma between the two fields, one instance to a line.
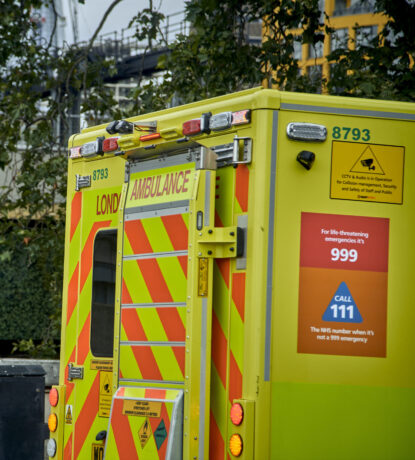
x=105, y=393
x=160, y=434
x=68, y=414
x=144, y=433
x=342, y=303
x=367, y=172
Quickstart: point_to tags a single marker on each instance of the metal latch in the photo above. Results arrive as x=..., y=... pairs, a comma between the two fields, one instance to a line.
x=75, y=372
x=242, y=150
x=82, y=182
x=221, y=242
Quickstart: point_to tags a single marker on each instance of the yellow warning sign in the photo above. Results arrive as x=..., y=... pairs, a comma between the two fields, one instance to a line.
x=144, y=433
x=105, y=393
x=141, y=408
x=203, y=276
x=68, y=414
x=101, y=364
x=367, y=172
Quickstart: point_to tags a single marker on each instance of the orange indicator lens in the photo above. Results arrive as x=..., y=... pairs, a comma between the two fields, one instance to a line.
x=235, y=445
x=52, y=422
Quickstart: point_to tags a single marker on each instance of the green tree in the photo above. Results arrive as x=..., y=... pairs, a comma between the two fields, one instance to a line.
x=381, y=67
x=39, y=87
x=217, y=57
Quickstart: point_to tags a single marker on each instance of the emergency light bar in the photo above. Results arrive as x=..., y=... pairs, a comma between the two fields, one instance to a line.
x=91, y=149
x=75, y=152
x=110, y=144
x=197, y=125
x=220, y=121
x=225, y=120
x=307, y=132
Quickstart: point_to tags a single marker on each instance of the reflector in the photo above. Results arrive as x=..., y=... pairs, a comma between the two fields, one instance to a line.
x=51, y=448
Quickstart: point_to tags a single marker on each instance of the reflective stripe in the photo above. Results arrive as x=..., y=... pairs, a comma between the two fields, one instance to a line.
x=270, y=262
x=178, y=205
x=207, y=200
x=153, y=255
x=154, y=305
x=344, y=111
x=202, y=410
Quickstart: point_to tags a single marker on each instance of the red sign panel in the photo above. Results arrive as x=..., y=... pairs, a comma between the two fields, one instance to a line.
x=343, y=285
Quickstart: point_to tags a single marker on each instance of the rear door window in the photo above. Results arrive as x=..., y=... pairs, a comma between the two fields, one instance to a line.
x=103, y=293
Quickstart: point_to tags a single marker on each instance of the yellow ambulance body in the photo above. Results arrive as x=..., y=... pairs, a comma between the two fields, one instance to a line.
x=238, y=283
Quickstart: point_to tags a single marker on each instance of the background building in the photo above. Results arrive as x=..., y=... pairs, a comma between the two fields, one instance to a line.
x=353, y=21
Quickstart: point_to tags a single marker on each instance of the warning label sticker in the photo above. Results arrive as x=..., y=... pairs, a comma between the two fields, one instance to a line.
x=68, y=414
x=105, y=393
x=367, y=172
x=343, y=285
x=101, y=364
x=141, y=408
x=144, y=433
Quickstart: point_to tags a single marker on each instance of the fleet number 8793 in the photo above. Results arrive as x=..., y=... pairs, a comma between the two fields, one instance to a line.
x=343, y=255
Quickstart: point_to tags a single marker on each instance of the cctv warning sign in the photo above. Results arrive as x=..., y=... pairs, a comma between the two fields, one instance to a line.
x=367, y=172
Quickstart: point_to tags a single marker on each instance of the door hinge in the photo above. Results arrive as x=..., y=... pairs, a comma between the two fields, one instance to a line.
x=82, y=182
x=221, y=242
x=242, y=150
x=75, y=372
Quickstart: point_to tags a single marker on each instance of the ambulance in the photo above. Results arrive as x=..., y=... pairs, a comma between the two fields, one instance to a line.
x=239, y=283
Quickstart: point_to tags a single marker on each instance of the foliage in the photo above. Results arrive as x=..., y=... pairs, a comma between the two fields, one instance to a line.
x=217, y=57
x=39, y=88
x=380, y=67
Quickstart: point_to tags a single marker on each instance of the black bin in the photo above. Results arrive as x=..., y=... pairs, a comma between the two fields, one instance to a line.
x=22, y=411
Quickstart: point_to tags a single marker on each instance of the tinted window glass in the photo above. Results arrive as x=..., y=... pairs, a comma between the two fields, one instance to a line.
x=103, y=293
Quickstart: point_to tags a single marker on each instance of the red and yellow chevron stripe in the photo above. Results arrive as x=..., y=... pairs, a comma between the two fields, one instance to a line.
x=77, y=330
x=153, y=314
x=228, y=312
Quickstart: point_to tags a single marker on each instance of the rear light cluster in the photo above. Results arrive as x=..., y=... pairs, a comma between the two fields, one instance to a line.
x=219, y=122
x=235, y=441
x=52, y=422
x=203, y=125
x=98, y=147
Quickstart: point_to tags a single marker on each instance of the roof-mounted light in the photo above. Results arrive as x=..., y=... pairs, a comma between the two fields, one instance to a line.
x=92, y=149
x=197, y=125
x=110, y=144
x=75, y=152
x=220, y=121
x=308, y=132
x=241, y=117
x=191, y=127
